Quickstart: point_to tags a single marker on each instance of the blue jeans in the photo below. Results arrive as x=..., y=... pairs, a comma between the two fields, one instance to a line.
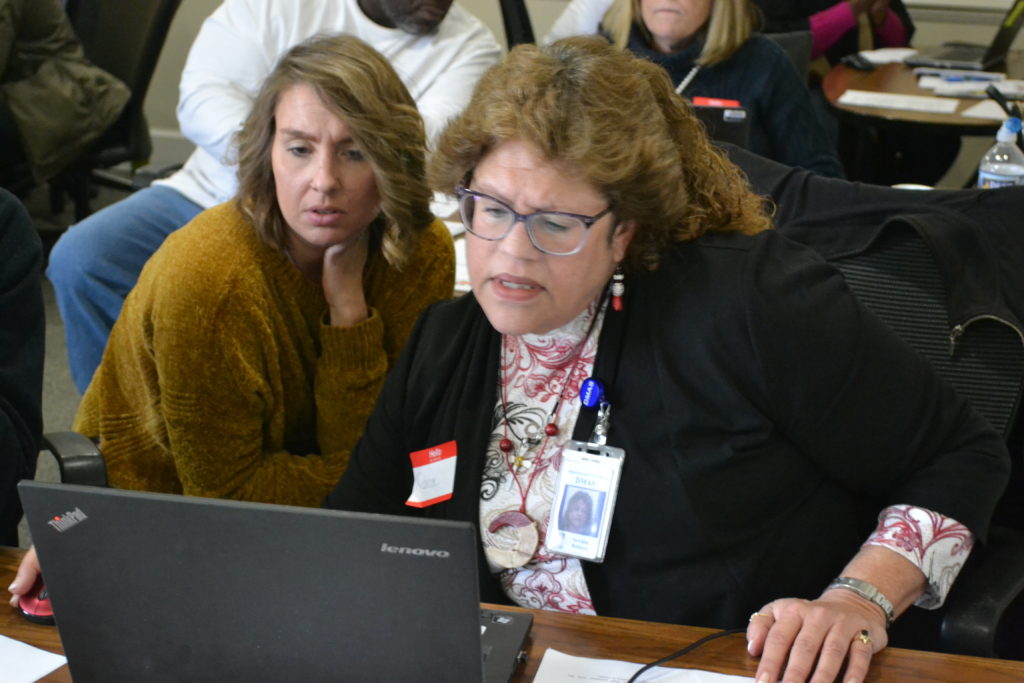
x=96, y=262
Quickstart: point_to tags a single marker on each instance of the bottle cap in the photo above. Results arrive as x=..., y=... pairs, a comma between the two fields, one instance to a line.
x=1009, y=130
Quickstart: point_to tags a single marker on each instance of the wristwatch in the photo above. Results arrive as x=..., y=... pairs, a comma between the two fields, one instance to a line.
x=868, y=592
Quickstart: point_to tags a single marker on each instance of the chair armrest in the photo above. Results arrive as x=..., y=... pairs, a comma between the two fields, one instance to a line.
x=979, y=599
x=78, y=458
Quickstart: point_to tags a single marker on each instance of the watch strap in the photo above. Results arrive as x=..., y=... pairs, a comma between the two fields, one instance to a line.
x=868, y=592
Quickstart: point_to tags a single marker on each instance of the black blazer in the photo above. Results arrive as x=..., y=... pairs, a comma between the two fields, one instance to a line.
x=767, y=417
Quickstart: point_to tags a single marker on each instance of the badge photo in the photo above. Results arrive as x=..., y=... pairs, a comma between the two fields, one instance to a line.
x=588, y=481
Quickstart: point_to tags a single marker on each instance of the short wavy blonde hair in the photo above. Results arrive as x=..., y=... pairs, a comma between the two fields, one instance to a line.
x=360, y=87
x=729, y=26
x=615, y=121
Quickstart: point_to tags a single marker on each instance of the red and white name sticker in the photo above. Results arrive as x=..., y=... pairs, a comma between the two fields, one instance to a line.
x=714, y=102
x=433, y=472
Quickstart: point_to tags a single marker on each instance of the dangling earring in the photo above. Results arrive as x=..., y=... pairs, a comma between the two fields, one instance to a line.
x=618, y=288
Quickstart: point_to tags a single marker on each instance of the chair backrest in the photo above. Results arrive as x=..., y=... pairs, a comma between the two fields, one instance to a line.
x=797, y=46
x=125, y=37
x=516, y=18
x=898, y=279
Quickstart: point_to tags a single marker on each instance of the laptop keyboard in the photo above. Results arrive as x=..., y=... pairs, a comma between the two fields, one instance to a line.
x=962, y=53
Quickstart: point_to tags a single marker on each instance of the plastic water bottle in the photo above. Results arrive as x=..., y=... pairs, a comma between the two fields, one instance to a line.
x=1003, y=164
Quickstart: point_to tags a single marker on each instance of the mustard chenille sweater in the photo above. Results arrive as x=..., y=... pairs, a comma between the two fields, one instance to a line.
x=221, y=378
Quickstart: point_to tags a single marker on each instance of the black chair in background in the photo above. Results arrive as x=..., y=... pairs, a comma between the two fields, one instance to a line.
x=518, y=28
x=123, y=37
x=984, y=361
x=797, y=46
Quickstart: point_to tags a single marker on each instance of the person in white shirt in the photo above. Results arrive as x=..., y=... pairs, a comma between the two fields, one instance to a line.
x=437, y=47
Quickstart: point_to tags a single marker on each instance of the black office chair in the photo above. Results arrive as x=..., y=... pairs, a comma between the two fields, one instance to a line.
x=897, y=278
x=797, y=46
x=123, y=37
x=516, y=18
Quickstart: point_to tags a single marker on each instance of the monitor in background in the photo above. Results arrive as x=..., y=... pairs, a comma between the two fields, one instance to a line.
x=154, y=587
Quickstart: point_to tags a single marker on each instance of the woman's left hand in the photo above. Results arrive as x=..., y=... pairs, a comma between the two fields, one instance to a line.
x=816, y=637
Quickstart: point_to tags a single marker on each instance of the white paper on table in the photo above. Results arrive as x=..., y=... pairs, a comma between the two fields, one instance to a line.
x=883, y=100
x=988, y=109
x=933, y=81
x=558, y=667
x=888, y=55
x=945, y=74
x=23, y=663
x=1013, y=90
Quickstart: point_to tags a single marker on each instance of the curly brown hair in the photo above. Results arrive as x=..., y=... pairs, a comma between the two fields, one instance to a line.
x=616, y=122
x=360, y=87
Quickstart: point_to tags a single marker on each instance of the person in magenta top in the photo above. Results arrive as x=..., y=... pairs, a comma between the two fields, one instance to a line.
x=834, y=25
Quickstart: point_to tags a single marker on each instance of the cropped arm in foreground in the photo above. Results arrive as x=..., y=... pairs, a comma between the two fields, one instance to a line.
x=22, y=327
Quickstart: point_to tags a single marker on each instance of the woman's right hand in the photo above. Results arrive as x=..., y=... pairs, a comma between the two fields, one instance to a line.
x=859, y=7
x=878, y=11
x=342, y=280
x=875, y=9
x=28, y=573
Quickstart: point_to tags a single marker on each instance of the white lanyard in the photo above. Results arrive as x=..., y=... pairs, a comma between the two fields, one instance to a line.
x=683, y=84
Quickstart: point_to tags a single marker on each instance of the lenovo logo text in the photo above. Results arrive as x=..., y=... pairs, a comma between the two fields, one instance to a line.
x=406, y=550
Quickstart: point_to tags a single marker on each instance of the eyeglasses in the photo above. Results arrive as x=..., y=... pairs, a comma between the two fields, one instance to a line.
x=553, y=232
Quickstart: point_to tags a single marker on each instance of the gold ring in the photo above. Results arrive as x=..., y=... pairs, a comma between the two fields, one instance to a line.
x=757, y=614
x=864, y=637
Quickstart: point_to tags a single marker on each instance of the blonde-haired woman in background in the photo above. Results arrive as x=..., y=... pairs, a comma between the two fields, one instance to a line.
x=709, y=49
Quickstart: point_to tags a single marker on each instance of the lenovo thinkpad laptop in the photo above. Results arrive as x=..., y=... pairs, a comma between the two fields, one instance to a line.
x=170, y=588
x=976, y=57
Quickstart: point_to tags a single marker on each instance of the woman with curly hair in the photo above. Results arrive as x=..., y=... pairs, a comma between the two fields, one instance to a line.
x=762, y=415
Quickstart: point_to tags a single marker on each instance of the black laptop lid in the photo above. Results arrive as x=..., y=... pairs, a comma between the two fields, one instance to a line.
x=1008, y=30
x=962, y=56
x=157, y=587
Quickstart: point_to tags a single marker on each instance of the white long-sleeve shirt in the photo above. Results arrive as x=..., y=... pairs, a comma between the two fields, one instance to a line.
x=240, y=43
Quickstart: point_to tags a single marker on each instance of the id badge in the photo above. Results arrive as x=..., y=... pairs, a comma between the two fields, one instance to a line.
x=581, y=513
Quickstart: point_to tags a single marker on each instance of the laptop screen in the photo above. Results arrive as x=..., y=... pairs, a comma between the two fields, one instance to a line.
x=158, y=587
x=1008, y=30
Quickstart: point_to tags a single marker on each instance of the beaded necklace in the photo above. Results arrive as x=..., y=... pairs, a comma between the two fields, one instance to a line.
x=527, y=536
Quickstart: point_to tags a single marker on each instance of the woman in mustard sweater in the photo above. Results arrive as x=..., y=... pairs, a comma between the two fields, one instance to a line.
x=245, y=362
